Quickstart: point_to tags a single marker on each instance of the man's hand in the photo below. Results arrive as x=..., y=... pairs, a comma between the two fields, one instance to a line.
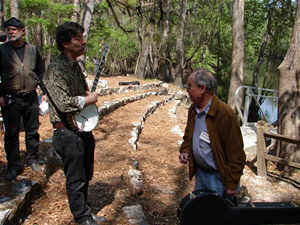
x=2, y=101
x=44, y=98
x=184, y=158
x=231, y=192
x=91, y=98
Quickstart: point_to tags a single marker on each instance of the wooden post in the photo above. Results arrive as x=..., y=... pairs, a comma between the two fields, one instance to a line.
x=261, y=149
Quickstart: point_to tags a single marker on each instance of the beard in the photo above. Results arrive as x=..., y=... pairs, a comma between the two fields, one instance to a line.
x=15, y=38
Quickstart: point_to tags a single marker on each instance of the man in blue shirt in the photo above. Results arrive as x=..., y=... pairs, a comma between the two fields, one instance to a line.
x=213, y=143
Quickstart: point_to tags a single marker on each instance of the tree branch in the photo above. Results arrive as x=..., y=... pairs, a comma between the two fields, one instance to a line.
x=116, y=18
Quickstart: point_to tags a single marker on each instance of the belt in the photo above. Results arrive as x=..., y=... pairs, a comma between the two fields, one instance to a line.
x=58, y=125
x=208, y=170
x=22, y=94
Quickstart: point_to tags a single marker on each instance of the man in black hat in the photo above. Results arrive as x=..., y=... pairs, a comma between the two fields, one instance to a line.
x=21, y=70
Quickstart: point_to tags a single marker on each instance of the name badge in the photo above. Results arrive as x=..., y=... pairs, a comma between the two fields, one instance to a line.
x=204, y=137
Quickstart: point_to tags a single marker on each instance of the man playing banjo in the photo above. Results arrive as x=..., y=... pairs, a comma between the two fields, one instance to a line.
x=68, y=93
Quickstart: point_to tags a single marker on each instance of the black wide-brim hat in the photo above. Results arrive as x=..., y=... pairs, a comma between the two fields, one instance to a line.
x=13, y=22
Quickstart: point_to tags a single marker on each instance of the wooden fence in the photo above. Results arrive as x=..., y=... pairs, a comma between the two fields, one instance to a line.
x=262, y=150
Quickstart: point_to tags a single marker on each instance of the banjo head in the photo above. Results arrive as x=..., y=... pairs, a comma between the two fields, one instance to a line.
x=87, y=119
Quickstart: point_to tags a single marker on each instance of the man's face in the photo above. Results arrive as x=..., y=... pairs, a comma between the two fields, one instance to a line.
x=15, y=34
x=196, y=93
x=77, y=46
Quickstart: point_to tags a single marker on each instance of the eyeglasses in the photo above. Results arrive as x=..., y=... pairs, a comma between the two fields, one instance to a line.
x=79, y=38
x=189, y=87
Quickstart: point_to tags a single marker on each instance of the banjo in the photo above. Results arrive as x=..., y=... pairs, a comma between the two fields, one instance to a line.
x=87, y=119
x=207, y=207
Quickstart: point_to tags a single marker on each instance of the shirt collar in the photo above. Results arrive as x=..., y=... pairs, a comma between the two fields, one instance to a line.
x=22, y=46
x=206, y=109
x=68, y=60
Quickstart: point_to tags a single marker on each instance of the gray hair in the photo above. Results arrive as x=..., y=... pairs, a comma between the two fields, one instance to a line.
x=204, y=77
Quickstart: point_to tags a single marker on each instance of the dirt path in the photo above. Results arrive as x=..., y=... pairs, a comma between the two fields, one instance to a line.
x=166, y=181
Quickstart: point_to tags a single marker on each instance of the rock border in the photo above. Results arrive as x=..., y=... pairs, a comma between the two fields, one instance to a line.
x=125, y=89
x=139, y=125
x=134, y=175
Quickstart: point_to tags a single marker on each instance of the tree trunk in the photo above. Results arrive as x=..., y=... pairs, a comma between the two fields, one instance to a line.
x=180, y=46
x=86, y=19
x=143, y=66
x=163, y=73
x=76, y=11
x=262, y=52
x=237, y=65
x=253, y=115
x=1, y=15
x=38, y=37
x=14, y=8
x=51, y=42
x=289, y=94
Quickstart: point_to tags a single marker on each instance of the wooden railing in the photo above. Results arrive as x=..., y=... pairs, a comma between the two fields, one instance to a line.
x=262, y=150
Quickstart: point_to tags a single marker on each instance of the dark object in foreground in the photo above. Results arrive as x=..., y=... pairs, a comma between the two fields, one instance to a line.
x=207, y=207
x=130, y=83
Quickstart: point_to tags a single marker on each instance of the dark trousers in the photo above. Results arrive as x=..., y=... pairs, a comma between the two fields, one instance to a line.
x=77, y=152
x=27, y=108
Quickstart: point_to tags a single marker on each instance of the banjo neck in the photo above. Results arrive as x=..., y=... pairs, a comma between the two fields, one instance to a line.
x=100, y=67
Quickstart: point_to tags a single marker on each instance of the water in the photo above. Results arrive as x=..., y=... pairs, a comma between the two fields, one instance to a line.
x=267, y=107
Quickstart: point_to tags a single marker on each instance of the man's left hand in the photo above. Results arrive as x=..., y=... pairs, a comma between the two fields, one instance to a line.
x=2, y=101
x=231, y=192
x=44, y=98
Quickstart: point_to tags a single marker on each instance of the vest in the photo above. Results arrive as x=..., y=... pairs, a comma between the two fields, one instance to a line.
x=16, y=76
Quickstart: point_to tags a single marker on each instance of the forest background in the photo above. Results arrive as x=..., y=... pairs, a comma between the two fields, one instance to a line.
x=125, y=26
x=242, y=42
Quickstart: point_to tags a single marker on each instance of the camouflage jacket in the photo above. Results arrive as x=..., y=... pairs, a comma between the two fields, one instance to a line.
x=64, y=82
